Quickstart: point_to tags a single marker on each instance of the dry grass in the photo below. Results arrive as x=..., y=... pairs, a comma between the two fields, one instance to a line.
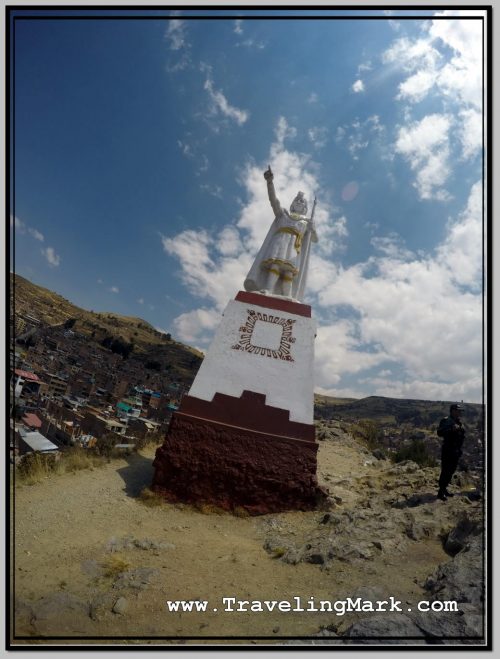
x=35, y=467
x=150, y=498
x=114, y=566
x=239, y=511
x=209, y=509
x=78, y=458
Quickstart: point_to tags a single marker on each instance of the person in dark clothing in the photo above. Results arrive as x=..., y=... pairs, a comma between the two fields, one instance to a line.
x=452, y=432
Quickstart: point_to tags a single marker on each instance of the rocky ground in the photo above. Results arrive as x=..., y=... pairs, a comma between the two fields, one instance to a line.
x=91, y=559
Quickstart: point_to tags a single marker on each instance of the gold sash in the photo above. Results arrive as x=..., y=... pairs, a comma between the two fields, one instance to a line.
x=294, y=232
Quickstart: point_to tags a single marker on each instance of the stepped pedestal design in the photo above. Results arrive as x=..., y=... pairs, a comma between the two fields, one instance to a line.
x=244, y=436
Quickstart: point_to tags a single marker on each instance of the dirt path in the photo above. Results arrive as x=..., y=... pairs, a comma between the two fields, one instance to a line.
x=65, y=526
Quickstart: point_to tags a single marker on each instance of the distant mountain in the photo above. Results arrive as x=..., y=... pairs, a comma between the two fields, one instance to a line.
x=387, y=411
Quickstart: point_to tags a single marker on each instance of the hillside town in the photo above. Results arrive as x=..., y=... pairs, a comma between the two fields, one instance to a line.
x=85, y=379
x=69, y=391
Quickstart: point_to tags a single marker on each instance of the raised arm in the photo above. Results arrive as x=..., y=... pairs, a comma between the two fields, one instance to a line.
x=268, y=175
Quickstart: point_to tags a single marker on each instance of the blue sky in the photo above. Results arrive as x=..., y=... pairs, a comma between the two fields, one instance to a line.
x=139, y=152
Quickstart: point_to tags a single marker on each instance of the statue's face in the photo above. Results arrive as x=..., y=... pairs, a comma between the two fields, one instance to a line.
x=299, y=204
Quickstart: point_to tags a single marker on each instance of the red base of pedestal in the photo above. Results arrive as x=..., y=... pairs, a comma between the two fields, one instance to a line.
x=209, y=461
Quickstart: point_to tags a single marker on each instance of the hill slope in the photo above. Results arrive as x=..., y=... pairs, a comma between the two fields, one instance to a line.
x=147, y=345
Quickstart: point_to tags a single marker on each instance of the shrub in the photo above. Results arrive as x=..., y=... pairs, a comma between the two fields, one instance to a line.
x=369, y=432
x=104, y=445
x=114, y=566
x=417, y=452
x=34, y=467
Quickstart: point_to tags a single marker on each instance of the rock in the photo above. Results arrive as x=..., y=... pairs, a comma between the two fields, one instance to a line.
x=61, y=613
x=121, y=605
x=379, y=454
x=442, y=624
x=138, y=579
x=316, y=559
x=127, y=543
x=380, y=626
x=101, y=604
x=54, y=605
x=458, y=537
x=370, y=593
x=327, y=632
x=24, y=617
x=460, y=579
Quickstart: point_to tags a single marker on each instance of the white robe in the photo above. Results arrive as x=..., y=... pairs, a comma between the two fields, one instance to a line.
x=279, y=252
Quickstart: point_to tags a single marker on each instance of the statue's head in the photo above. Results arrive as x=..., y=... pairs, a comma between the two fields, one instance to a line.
x=299, y=204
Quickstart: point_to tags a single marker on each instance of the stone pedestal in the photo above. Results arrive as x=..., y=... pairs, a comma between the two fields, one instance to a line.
x=244, y=436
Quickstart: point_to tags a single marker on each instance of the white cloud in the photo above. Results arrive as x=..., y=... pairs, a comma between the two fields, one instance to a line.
x=461, y=77
x=312, y=98
x=114, y=289
x=318, y=136
x=52, y=258
x=358, y=86
x=220, y=104
x=194, y=325
x=371, y=226
x=229, y=242
x=413, y=55
x=423, y=313
x=176, y=36
x=424, y=144
x=214, y=190
x=283, y=132
x=445, y=63
x=192, y=150
x=248, y=42
x=140, y=300
x=36, y=234
x=185, y=148
x=175, y=33
x=358, y=134
x=19, y=225
x=364, y=66
x=252, y=43
x=462, y=251
x=471, y=132
x=392, y=246
x=22, y=228
x=417, y=86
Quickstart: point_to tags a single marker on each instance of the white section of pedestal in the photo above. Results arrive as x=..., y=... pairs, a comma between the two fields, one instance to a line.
x=265, y=351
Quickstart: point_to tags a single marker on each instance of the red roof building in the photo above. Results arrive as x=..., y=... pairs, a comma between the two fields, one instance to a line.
x=31, y=420
x=27, y=375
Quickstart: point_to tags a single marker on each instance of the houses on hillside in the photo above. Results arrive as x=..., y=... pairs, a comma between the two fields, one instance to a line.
x=72, y=391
